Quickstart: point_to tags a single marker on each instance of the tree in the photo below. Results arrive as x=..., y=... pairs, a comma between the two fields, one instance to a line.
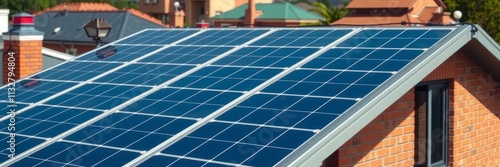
x=482, y=12
x=325, y=9
x=28, y=6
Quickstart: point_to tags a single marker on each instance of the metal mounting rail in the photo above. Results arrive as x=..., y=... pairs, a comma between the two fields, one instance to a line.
x=233, y=103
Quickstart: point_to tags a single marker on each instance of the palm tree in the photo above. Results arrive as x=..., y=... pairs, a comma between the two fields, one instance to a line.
x=325, y=9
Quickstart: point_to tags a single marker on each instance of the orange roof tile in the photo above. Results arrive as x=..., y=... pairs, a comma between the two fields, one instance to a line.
x=372, y=20
x=427, y=13
x=359, y=4
x=144, y=16
x=98, y=7
x=81, y=6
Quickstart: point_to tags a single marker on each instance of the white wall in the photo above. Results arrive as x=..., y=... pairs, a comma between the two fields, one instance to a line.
x=4, y=20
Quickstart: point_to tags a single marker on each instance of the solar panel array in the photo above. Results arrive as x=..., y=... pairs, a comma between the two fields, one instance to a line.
x=215, y=97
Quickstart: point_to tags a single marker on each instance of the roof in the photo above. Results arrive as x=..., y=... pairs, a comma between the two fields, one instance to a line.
x=71, y=21
x=357, y=4
x=427, y=13
x=380, y=4
x=123, y=22
x=312, y=89
x=272, y=11
x=81, y=6
x=376, y=17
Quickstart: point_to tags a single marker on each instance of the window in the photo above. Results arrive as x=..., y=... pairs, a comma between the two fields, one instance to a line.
x=146, y=1
x=72, y=51
x=431, y=132
x=155, y=1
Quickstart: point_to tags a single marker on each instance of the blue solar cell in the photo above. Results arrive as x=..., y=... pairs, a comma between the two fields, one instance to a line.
x=373, y=42
x=392, y=65
x=118, y=53
x=388, y=33
x=158, y=37
x=227, y=78
x=374, y=78
x=352, y=42
x=97, y=96
x=223, y=37
x=36, y=90
x=292, y=139
x=412, y=33
x=398, y=43
x=7, y=106
x=78, y=154
x=291, y=38
x=366, y=33
x=77, y=71
x=407, y=55
x=356, y=91
x=144, y=74
x=158, y=160
x=186, y=54
x=46, y=121
x=382, y=54
x=436, y=34
x=423, y=43
x=357, y=53
x=266, y=157
x=266, y=57
x=22, y=144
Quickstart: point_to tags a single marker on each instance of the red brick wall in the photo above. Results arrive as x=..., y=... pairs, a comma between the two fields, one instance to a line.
x=27, y=58
x=474, y=139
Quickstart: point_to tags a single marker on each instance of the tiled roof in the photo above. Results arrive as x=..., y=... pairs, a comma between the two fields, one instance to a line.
x=372, y=20
x=272, y=11
x=98, y=7
x=427, y=13
x=81, y=6
x=358, y=4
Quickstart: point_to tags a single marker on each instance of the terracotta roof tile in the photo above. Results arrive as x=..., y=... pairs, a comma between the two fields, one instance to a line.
x=98, y=7
x=390, y=20
x=81, y=6
x=427, y=13
x=144, y=16
x=359, y=4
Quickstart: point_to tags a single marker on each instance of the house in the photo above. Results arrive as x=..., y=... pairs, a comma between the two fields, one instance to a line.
x=327, y=96
x=276, y=14
x=48, y=57
x=63, y=25
x=194, y=11
x=392, y=13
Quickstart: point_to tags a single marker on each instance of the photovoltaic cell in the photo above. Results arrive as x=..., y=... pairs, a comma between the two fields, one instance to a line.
x=144, y=74
x=77, y=71
x=118, y=53
x=224, y=37
x=292, y=109
x=260, y=131
x=157, y=37
x=36, y=90
x=185, y=54
x=298, y=37
x=97, y=96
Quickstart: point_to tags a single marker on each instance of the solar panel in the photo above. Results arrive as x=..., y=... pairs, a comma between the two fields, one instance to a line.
x=215, y=97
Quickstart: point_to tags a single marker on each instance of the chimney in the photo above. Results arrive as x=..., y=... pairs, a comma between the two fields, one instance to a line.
x=22, y=48
x=441, y=17
x=4, y=20
x=250, y=14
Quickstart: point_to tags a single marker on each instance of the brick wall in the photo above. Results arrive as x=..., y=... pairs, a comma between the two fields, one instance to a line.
x=474, y=123
x=28, y=58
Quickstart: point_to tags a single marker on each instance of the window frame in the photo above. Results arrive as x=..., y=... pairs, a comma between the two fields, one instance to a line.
x=442, y=88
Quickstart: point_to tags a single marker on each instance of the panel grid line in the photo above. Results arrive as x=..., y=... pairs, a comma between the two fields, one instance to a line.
x=205, y=120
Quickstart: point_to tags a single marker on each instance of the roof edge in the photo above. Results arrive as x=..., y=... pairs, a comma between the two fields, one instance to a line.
x=485, y=52
x=57, y=54
x=333, y=136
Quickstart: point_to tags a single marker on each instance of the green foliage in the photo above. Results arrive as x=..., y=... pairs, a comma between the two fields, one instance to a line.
x=482, y=12
x=325, y=9
x=28, y=6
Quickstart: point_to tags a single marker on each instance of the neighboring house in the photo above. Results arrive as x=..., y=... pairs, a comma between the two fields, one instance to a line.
x=63, y=25
x=277, y=14
x=392, y=13
x=195, y=10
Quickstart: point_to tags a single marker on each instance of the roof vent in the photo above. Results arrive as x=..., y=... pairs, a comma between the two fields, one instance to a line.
x=56, y=30
x=65, y=11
